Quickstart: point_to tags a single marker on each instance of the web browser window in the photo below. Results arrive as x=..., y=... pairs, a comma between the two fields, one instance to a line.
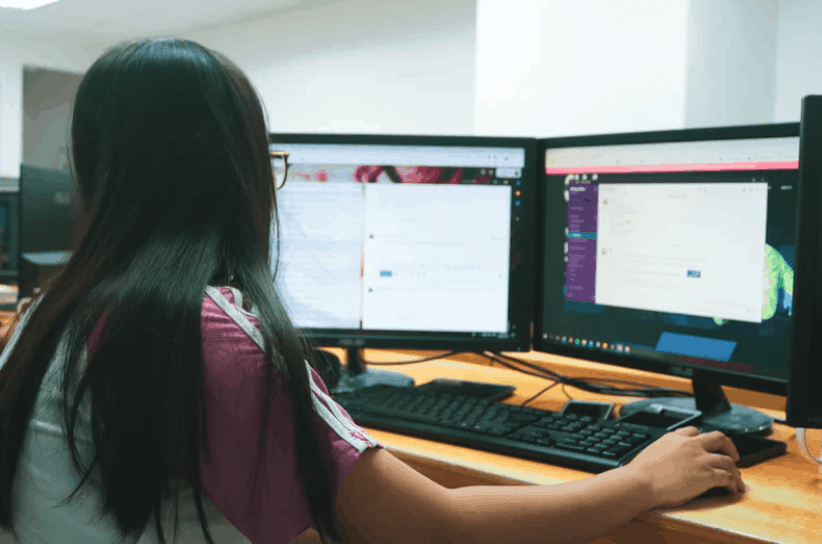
x=684, y=248
x=318, y=272
x=402, y=238
x=436, y=257
x=679, y=252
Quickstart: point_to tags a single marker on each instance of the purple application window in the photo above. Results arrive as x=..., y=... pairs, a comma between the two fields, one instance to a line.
x=580, y=269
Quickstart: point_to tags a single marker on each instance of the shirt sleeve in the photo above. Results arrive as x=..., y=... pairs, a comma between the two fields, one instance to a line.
x=233, y=370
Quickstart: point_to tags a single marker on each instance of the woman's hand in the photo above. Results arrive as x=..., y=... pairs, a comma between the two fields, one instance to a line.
x=685, y=463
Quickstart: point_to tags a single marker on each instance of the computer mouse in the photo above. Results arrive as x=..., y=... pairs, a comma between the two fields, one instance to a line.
x=716, y=492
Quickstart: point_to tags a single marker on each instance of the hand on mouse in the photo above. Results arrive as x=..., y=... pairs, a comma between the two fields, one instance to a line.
x=680, y=466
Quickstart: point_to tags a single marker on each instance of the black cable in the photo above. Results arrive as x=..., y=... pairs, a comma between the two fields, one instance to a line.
x=420, y=360
x=512, y=367
x=576, y=381
x=544, y=390
x=585, y=385
x=499, y=356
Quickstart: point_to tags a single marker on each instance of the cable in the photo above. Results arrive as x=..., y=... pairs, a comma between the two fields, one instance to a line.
x=499, y=357
x=420, y=360
x=586, y=384
x=802, y=441
x=512, y=367
x=582, y=383
x=544, y=390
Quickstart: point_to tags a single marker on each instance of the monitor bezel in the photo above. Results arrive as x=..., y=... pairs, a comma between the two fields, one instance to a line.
x=807, y=313
x=521, y=311
x=692, y=372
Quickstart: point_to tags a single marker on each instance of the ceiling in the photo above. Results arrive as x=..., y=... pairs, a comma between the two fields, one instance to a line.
x=104, y=20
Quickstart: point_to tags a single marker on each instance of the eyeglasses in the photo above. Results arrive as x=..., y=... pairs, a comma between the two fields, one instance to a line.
x=279, y=165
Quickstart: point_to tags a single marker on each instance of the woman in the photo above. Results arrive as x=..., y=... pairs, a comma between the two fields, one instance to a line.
x=142, y=399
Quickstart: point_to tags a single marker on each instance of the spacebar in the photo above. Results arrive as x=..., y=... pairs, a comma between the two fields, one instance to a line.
x=399, y=414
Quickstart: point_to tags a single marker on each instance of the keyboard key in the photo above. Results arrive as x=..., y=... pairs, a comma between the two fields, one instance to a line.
x=544, y=441
x=609, y=453
x=594, y=451
x=570, y=447
x=624, y=444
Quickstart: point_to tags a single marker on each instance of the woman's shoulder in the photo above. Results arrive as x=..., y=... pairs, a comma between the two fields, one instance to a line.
x=231, y=337
x=225, y=301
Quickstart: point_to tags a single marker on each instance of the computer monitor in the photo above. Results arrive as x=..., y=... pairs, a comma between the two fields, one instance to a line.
x=673, y=252
x=805, y=378
x=46, y=209
x=46, y=219
x=414, y=242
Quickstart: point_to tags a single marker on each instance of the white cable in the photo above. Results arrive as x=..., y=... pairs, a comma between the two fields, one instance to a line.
x=802, y=441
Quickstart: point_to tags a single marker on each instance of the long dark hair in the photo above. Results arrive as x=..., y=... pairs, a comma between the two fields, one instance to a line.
x=169, y=152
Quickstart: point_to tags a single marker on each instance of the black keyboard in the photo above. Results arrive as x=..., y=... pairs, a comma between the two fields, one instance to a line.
x=576, y=442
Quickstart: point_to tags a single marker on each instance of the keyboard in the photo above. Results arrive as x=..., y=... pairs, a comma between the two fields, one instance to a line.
x=576, y=442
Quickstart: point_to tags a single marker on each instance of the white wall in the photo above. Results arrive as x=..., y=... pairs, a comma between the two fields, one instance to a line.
x=799, y=56
x=515, y=67
x=360, y=65
x=15, y=53
x=731, y=62
x=549, y=68
x=48, y=96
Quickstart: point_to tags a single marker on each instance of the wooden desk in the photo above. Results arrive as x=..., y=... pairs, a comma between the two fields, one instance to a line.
x=783, y=503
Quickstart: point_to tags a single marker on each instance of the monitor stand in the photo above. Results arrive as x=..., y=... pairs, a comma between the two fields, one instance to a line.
x=356, y=376
x=717, y=411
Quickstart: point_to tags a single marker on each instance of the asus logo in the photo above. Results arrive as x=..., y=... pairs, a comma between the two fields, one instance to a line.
x=815, y=419
x=347, y=342
x=682, y=371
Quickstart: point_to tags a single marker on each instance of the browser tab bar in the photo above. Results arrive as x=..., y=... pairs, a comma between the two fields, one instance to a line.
x=402, y=155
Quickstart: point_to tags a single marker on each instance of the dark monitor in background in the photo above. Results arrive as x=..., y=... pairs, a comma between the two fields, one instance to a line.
x=407, y=242
x=673, y=252
x=9, y=239
x=46, y=220
x=9, y=225
x=804, y=398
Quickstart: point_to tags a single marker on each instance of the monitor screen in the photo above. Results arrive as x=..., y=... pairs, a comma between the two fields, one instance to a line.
x=407, y=241
x=804, y=401
x=46, y=209
x=672, y=256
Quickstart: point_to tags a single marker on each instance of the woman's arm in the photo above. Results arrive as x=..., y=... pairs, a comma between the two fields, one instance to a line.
x=384, y=500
